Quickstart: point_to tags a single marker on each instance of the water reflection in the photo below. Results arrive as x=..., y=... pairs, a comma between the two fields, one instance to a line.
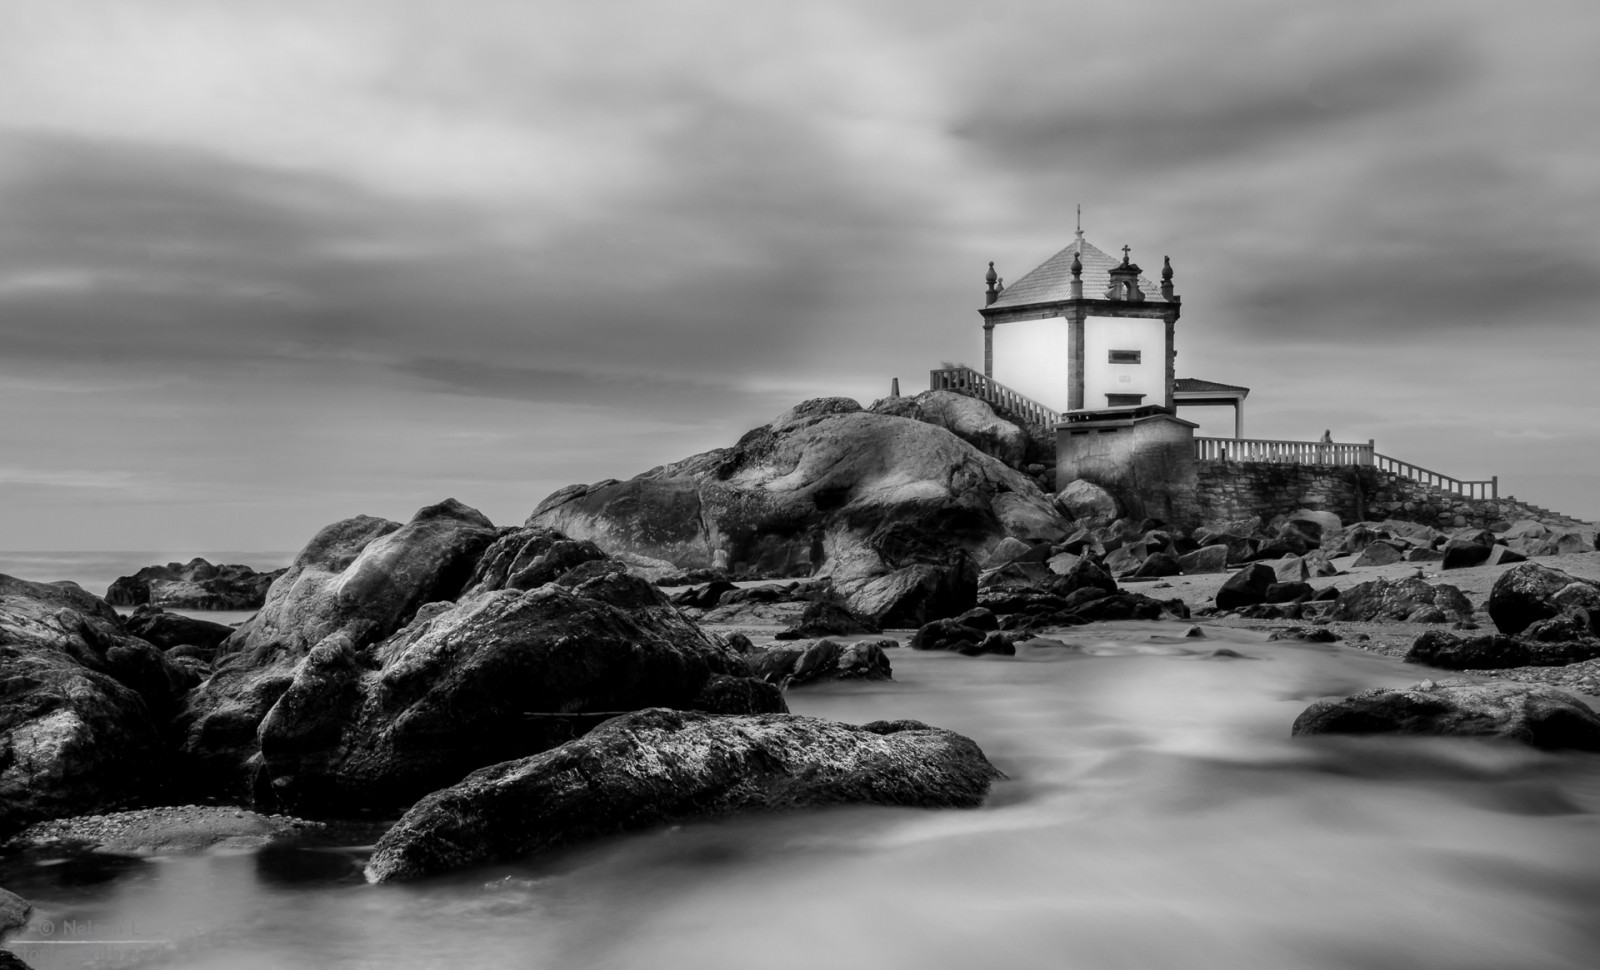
x=1157, y=814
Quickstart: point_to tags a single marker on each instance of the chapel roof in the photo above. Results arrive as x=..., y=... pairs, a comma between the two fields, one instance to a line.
x=1051, y=280
x=1194, y=385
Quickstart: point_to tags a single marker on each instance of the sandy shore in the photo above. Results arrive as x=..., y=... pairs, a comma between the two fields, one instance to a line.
x=1394, y=638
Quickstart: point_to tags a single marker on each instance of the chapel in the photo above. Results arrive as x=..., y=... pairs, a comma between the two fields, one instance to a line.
x=1086, y=331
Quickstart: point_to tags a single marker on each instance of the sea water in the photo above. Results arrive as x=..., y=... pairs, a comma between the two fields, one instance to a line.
x=1156, y=814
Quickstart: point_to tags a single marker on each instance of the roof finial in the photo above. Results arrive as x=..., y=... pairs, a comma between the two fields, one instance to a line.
x=989, y=277
x=1125, y=251
x=1166, y=267
x=1077, y=266
x=1079, y=243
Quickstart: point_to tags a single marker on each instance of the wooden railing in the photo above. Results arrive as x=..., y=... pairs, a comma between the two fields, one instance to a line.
x=1275, y=450
x=1337, y=453
x=1481, y=488
x=974, y=383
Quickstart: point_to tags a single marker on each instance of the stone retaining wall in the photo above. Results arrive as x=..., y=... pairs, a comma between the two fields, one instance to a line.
x=1227, y=490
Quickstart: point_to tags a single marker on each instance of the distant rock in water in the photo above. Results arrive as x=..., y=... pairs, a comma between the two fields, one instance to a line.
x=661, y=766
x=832, y=490
x=196, y=585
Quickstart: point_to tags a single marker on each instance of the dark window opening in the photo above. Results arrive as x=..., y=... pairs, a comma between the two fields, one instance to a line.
x=1124, y=400
x=1126, y=356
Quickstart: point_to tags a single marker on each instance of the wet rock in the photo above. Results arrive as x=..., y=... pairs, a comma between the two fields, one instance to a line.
x=456, y=688
x=946, y=635
x=704, y=597
x=1128, y=606
x=1316, y=634
x=660, y=766
x=1246, y=587
x=14, y=912
x=1437, y=648
x=804, y=662
x=1535, y=715
x=1400, y=599
x=723, y=694
x=825, y=618
x=83, y=705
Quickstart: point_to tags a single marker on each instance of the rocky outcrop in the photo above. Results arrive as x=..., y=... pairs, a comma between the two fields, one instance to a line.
x=82, y=705
x=968, y=418
x=1529, y=714
x=1411, y=599
x=355, y=583
x=660, y=766
x=394, y=659
x=195, y=585
x=825, y=488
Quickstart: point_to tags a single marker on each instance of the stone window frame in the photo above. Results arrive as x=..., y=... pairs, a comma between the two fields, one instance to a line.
x=1124, y=356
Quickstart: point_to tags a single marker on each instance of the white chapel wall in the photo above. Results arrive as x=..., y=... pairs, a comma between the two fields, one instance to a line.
x=1101, y=336
x=1034, y=357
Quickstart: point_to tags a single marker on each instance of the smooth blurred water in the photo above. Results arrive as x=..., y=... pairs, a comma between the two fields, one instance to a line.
x=1157, y=815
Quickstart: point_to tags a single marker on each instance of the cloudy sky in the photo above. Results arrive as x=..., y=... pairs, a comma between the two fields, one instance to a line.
x=267, y=265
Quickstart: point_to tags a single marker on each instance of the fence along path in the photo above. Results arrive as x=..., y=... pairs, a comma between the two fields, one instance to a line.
x=1338, y=453
x=976, y=384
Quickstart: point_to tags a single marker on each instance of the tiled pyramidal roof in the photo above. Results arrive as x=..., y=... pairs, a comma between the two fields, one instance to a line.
x=1051, y=280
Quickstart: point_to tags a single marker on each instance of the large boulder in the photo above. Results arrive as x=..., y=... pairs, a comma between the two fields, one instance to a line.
x=357, y=581
x=1411, y=598
x=1527, y=592
x=825, y=488
x=195, y=585
x=396, y=658
x=1530, y=714
x=915, y=594
x=82, y=705
x=661, y=766
x=968, y=418
x=1247, y=587
x=1083, y=500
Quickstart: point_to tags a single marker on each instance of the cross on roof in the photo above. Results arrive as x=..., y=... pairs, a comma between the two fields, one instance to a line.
x=1125, y=251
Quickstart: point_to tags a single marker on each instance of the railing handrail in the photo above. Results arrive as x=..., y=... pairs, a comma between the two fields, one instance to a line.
x=1339, y=453
x=1286, y=441
x=988, y=389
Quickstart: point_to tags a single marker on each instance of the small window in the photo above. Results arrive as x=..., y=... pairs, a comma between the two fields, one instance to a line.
x=1124, y=400
x=1126, y=356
